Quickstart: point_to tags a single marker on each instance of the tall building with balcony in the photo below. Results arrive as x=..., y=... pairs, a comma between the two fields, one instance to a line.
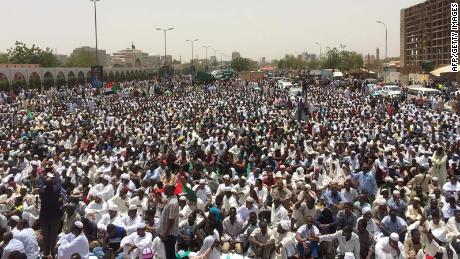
x=425, y=34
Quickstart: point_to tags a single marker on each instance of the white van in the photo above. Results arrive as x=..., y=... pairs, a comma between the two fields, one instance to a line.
x=414, y=91
x=294, y=92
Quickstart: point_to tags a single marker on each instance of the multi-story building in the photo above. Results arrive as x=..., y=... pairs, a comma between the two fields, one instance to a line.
x=377, y=54
x=425, y=34
x=235, y=54
x=169, y=59
x=104, y=58
x=213, y=59
x=130, y=58
x=368, y=59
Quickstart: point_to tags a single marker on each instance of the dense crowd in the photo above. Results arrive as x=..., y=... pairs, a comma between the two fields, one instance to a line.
x=221, y=170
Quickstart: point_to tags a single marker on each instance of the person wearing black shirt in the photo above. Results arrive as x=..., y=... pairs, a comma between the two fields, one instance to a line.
x=49, y=188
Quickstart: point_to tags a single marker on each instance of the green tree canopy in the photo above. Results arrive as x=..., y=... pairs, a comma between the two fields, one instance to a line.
x=81, y=59
x=3, y=58
x=344, y=60
x=291, y=62
x=241, y=64
x=21, y=54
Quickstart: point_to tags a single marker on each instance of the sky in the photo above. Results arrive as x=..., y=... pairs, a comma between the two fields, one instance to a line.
x=255, y=28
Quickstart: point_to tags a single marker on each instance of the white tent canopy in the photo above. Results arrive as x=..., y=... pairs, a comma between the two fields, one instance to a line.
x=439, y=71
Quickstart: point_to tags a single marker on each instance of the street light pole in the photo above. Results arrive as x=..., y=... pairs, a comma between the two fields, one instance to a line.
x=192, y=41
x=206, y=48
x=386, y=39
x=320, y=50
x=95, y=28
x=164, y=32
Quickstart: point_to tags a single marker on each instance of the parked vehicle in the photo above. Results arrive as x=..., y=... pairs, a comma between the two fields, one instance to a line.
x=416, y=91
x=421, y=94
x=391, y=91
x=295, y=92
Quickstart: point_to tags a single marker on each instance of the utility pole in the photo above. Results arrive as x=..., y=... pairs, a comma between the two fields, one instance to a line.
x=164, y=33
x=95, y=28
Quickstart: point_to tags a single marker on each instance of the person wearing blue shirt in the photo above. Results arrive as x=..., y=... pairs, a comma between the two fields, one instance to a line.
x=397, y=204
x=394, y=224
x=332, y=196
x=367, y=182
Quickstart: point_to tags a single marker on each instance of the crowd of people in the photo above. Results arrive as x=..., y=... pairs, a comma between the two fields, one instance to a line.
x=222, y=171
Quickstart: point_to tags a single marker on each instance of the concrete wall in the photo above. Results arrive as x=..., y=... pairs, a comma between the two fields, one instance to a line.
x=11, y=73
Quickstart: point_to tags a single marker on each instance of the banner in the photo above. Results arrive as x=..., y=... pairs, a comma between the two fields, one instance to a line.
x=97, y=79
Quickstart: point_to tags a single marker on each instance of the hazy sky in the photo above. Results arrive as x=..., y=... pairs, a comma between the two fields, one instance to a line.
x=269, y=28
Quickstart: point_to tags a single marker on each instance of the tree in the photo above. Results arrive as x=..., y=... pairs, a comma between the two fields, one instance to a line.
x=4, y=58
x=241, y=64
x=81, y=59
x=344, y=60
x=331, y=58
x=313, y=64
x=21, y=54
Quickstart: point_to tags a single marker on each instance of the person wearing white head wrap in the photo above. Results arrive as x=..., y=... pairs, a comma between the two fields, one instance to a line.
x=284, y=240
x=389, y=247
x=96, y=208
x=112, y=217
x=134, y=243
x=372, y=227
x=246, y=209
x=74, y=242
x=131, y=220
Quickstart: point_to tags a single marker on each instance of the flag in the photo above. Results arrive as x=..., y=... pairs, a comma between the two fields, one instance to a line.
x=191, y=195
x=132, y=45
x=178, y=189
x=30, y=115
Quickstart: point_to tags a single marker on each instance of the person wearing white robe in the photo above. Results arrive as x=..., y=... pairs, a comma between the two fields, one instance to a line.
x=74, y=242
x=134, y=243
x=284, y=241
x=131, y=220
x=96, y=208
x=121, y=201
x=433, y=247
x=110, y=218
x=278, y=214
x=27, y=236
x=212, y=236
x=11, y=244
x=140, y=201
x=384, y=248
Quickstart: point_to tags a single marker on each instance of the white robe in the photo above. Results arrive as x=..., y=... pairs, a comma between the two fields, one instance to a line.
x=131, y=223
x=98, y=209
x=29, y=240
x=70, y=244
x=138, y=241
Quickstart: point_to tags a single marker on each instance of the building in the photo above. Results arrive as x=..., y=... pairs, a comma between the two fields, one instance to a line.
x=425, y=34
x=130, y=58
x=153, y=61
x=235, y=55
x=368, y=59
x=307, y=57
x=62, y=58
x=104, y=58
x=213, y=59
x=169, y=59
x=377, y=54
